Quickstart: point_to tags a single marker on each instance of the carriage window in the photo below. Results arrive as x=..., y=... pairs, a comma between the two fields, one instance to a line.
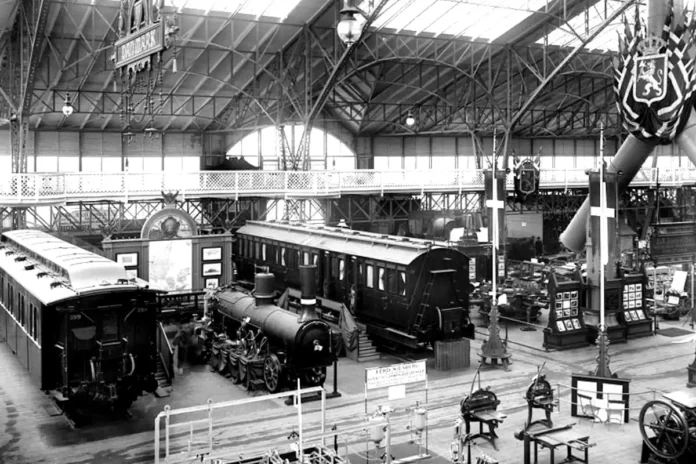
x=402, y=283
x=10, y=291
x=391, y=280
x=110, y=325
x=305, y=258
x=315, y=259
x=21, y=310
x=282, y=256
x=257, y=252
x=341, y=269
x=241, y=247
x=359, y=280
x=369, y=275
x=30, y=316
x=2, y=288
x=380, y=278
x=263, y=252
x=36, y=323
x=334, y=266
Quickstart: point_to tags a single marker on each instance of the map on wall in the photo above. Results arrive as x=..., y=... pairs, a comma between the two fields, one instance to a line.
x=171, y=266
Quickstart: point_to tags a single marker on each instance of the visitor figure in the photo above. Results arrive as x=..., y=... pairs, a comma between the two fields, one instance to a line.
x=539, y=247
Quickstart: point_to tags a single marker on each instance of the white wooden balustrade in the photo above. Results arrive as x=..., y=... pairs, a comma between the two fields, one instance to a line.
x=53, y=188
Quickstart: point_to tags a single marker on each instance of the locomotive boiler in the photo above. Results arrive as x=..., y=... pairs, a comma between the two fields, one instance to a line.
x=268, y=345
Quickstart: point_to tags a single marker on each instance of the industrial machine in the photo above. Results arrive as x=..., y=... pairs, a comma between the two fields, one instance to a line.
x=668, y=428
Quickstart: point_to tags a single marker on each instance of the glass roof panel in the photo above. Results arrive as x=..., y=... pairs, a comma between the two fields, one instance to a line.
x=571, y=33
x=279, y=9
x=482, y=19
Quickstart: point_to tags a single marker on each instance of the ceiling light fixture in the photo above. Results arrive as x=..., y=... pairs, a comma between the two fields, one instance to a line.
x=151, y=132
x=67, y=106
x=349, y=28
x=128, y=135
x=410, y=120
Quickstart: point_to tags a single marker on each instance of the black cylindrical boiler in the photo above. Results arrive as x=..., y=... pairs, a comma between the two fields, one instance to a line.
x=308, y=292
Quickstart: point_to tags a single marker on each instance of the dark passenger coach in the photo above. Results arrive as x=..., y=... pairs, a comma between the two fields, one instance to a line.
x=407, y=291
x=83, y=330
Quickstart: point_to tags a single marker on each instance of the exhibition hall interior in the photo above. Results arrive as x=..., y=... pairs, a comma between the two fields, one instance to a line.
x=347, y=231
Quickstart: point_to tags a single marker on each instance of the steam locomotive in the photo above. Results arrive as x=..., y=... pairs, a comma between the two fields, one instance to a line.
x=267, y=345
x=83, y=330
x=408, y=292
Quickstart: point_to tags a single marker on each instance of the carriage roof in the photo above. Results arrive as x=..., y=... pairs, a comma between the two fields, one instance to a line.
x=54, y=270
x=389, y=248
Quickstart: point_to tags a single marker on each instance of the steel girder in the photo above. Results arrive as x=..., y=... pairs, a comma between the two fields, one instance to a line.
x=457, y=86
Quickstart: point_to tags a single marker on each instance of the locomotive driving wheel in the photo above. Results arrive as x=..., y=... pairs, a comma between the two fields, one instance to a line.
x=271, y=373
x=664, y=429
x=314, y=377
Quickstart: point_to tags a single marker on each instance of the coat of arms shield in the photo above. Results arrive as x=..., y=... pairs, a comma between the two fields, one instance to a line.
x=650, y=84
x=527, y=174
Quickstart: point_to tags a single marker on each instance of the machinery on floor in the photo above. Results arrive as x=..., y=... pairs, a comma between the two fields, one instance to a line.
x=78, y=324
x=668, y=428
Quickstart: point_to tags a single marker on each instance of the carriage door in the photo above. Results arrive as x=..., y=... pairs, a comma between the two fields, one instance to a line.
x=341, y=277
x=60, y=358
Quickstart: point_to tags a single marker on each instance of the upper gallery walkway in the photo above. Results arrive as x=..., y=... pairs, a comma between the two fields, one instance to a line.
x=64, y=187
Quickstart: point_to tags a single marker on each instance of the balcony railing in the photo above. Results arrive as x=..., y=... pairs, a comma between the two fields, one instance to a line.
x=51, y=188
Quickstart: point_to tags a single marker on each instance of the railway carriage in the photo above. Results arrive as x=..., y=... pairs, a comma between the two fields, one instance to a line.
x=83, y=330
x=407, y=291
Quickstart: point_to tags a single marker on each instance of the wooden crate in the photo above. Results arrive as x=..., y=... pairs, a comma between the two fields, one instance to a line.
x=451, y=355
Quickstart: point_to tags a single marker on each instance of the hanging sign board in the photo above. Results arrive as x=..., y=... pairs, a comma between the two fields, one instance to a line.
x=396, y=374
x=142, y=44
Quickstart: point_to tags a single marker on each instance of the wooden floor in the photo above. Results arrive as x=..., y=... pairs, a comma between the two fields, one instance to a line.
x=32, y=433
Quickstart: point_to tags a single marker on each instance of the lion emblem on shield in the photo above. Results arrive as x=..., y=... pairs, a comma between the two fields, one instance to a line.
x=651, y=76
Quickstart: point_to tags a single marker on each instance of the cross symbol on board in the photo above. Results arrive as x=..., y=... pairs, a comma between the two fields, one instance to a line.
x=495, y=204
x=606, y=214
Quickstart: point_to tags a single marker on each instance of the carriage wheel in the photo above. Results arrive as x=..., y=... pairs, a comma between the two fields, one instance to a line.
x=314, y=377
x=664, y=429
x=271, y=372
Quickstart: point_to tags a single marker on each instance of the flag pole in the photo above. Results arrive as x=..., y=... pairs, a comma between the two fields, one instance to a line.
x=602, y=228
x=602, y=334
x=494, y=183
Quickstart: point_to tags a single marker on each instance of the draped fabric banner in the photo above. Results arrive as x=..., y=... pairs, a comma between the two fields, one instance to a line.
x=654, y=79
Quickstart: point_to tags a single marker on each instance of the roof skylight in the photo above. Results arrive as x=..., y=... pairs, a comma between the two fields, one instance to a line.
x=279, y=9
x=571, y=33
x=477, y=19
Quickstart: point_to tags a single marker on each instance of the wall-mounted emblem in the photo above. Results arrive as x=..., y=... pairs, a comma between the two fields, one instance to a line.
x=526, y=174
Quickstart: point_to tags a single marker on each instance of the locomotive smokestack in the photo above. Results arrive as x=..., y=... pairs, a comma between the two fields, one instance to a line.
x=264, y=289
x=308, y=293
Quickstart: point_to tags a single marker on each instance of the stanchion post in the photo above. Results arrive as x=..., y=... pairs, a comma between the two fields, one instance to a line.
x=335, y=392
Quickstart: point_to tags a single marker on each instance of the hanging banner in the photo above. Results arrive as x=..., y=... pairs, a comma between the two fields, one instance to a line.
x=397, y=374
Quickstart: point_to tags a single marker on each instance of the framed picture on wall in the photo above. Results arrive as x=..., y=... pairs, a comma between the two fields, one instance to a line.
x=131, y=273
x=212, y=269
x=212, y=282
x=127, y=259
x=212, y=254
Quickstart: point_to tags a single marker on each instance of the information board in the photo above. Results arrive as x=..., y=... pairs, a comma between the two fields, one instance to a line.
x=397, y=374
